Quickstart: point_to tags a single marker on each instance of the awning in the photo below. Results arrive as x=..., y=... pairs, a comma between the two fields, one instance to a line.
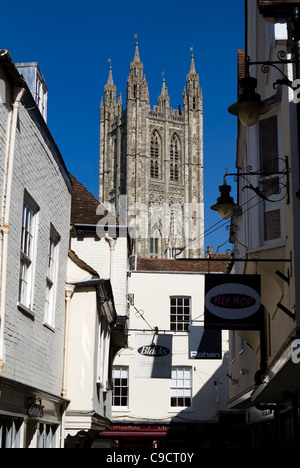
x=136, y=431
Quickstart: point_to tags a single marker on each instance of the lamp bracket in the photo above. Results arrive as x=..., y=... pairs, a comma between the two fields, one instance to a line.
x=265, y=68
x=268, y=180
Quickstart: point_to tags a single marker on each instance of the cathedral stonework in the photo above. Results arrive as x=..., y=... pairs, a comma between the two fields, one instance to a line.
x=151, y=165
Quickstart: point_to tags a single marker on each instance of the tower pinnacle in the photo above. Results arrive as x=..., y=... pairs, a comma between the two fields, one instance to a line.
x=192, y=68
x=110, y=80
x=136, y=54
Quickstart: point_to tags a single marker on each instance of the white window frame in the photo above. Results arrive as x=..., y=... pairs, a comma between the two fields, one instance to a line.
x=51, y=278
x=28, y=254
x=179, y=325
x=47, y=436
x=121, y=373
x=181, y=388
x=11, y=433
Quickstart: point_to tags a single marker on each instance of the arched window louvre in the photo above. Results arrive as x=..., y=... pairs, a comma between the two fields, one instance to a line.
x=175, y=159
x=155, y=155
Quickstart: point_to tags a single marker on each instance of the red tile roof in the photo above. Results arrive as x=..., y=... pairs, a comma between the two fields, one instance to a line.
x=84, y=207
x=218, y=265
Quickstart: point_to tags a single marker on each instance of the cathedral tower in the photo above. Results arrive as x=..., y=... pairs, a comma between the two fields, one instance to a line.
x=152, y=159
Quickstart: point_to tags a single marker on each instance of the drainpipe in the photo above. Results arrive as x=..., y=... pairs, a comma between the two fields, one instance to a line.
x=112, y=246
x=10, y=155
x=69, y=290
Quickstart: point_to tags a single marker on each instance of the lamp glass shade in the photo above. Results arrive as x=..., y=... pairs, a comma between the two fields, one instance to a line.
x=249, y=113
x=249, y=106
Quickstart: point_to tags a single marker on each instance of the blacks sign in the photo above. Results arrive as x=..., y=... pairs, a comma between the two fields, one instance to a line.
x=232, y=302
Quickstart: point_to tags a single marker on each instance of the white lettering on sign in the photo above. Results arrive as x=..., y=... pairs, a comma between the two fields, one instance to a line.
x=153, y=351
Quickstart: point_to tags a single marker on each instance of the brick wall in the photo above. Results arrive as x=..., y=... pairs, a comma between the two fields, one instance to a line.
x=33, y=352
x=96, y=253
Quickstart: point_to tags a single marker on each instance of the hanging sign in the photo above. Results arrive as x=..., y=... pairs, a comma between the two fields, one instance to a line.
x=204, y=344
x=232, y=302
x=153, y=356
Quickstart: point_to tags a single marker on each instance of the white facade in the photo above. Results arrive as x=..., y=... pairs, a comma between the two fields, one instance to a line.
x=149, y=399
x=90, y=345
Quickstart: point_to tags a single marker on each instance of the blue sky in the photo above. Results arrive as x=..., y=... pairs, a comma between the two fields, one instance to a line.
x=73, y=40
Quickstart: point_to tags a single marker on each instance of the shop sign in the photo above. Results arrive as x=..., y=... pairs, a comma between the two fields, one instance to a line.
x=204, y=344
x=154, y=356
x=233, y=302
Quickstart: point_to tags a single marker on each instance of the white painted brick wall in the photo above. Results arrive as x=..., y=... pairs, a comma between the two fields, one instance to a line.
x=34, y=353
x=96, y=253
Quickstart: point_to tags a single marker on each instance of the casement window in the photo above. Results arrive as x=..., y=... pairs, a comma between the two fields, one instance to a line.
x=51, y=279
x=270, y=185
x=27, y=253
x=10, y=432
x=181, y=387
x=155, y=156
x=120, y=388
x=180, y=313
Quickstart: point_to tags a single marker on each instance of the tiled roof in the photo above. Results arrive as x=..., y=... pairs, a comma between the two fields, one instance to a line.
x=79, y=262
x=85, y=207
x=218, y=265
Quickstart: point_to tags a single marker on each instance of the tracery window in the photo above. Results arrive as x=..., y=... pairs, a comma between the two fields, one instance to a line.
x=175, y=157
x=155, y=156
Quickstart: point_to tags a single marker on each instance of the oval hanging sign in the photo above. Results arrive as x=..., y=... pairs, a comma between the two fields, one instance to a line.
x=154, y=351
x=232, y=301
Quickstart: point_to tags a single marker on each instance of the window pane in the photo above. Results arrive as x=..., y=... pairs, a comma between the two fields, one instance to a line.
x=120, y=387
x=179, y=313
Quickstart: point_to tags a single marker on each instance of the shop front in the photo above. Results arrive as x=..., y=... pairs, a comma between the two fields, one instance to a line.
x=29, y=418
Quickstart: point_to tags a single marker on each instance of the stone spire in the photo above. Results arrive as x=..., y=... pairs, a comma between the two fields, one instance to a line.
x=136, y=54
x=137, y=87
x=193, y=69
x=164, y=98
x=110, y=80
x=110, y=90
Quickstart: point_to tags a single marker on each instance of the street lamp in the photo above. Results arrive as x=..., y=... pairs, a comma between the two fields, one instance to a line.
x=249, y=106
x=226, y=206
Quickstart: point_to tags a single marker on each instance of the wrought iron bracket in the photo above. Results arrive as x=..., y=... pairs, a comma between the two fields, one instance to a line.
x=265, y=68
x=265, y=176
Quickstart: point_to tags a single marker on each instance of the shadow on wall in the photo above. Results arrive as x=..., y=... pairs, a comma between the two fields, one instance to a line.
x=218, y=426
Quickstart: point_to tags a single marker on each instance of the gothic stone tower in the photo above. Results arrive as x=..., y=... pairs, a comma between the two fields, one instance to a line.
x=151, y=164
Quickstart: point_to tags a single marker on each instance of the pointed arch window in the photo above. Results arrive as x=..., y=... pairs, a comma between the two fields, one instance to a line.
x=175, y=159
x=155, y=156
